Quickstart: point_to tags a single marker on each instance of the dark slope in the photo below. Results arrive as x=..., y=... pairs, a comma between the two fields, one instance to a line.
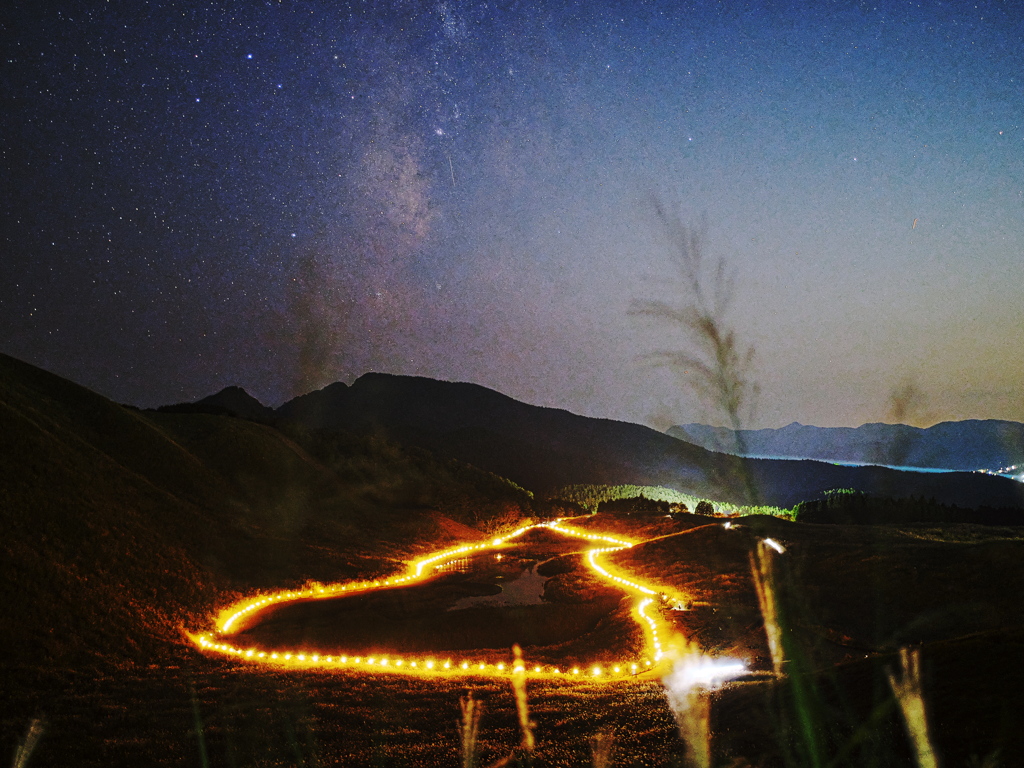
x=961, y=445
x=546, y=448
x=120, y=526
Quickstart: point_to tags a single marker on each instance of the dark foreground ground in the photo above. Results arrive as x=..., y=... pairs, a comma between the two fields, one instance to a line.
x=241, y=716
x=219, y=713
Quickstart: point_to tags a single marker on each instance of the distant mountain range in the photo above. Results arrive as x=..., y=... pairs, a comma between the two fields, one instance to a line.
x=544, y=449
x=959, y=445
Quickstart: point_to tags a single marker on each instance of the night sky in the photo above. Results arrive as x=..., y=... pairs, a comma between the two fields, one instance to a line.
x=281, y=195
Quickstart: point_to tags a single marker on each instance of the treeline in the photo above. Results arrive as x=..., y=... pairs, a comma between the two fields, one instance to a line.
x=638, y=505
x=848, y=507
x=591, y=497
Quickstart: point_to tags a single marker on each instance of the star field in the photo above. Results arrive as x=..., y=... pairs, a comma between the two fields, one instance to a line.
x=280, y=195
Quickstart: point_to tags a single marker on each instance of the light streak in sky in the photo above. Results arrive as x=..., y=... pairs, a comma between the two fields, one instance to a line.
x=655, y=629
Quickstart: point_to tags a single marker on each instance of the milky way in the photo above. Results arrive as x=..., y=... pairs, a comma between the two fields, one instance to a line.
x=282, y=195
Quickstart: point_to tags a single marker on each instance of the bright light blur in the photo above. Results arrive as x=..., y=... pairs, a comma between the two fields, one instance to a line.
x=695, y=670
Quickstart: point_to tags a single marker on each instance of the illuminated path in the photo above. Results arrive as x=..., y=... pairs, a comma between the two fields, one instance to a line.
x=646, y=613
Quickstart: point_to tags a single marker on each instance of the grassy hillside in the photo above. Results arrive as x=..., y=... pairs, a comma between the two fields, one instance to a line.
x=120, y=527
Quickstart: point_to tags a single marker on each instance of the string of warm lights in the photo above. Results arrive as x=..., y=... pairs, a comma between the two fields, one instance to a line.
x=229, y=616
x=646, y=614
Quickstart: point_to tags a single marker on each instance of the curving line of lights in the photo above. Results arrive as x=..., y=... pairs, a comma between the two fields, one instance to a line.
x=422, y=665
x=654, y=629
x=232, y=614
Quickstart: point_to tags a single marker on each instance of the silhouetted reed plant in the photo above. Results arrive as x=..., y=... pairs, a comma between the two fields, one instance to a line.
x=472, y=711
x=522, y=703
x=906, y=686
x=28, y=745
x=762, y=571
x=469, y=729
x=715, y=365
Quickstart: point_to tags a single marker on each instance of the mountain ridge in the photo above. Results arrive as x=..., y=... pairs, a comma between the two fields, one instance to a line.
x=968, y=445
x=544, y=449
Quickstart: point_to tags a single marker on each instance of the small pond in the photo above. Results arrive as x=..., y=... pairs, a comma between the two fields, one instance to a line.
x=491, y=600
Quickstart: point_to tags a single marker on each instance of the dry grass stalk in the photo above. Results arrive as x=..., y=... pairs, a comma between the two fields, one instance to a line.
x=522, y=704
x=469, y=729
x=26, y=747
x=717, y=365
x=908, y=691
x=601, y=744
x=763, y=571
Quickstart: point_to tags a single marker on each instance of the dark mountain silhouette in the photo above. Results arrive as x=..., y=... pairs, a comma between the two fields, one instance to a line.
x=121, y=527
x=231, y=401
x=961, y=445
x=539, y=448
x=544, y=449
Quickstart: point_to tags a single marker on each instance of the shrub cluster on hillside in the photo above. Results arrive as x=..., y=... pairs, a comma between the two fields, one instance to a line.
x=848, y=507
x=591, y=497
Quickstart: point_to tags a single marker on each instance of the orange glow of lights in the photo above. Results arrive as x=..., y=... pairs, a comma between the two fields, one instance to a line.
x=646, y=614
